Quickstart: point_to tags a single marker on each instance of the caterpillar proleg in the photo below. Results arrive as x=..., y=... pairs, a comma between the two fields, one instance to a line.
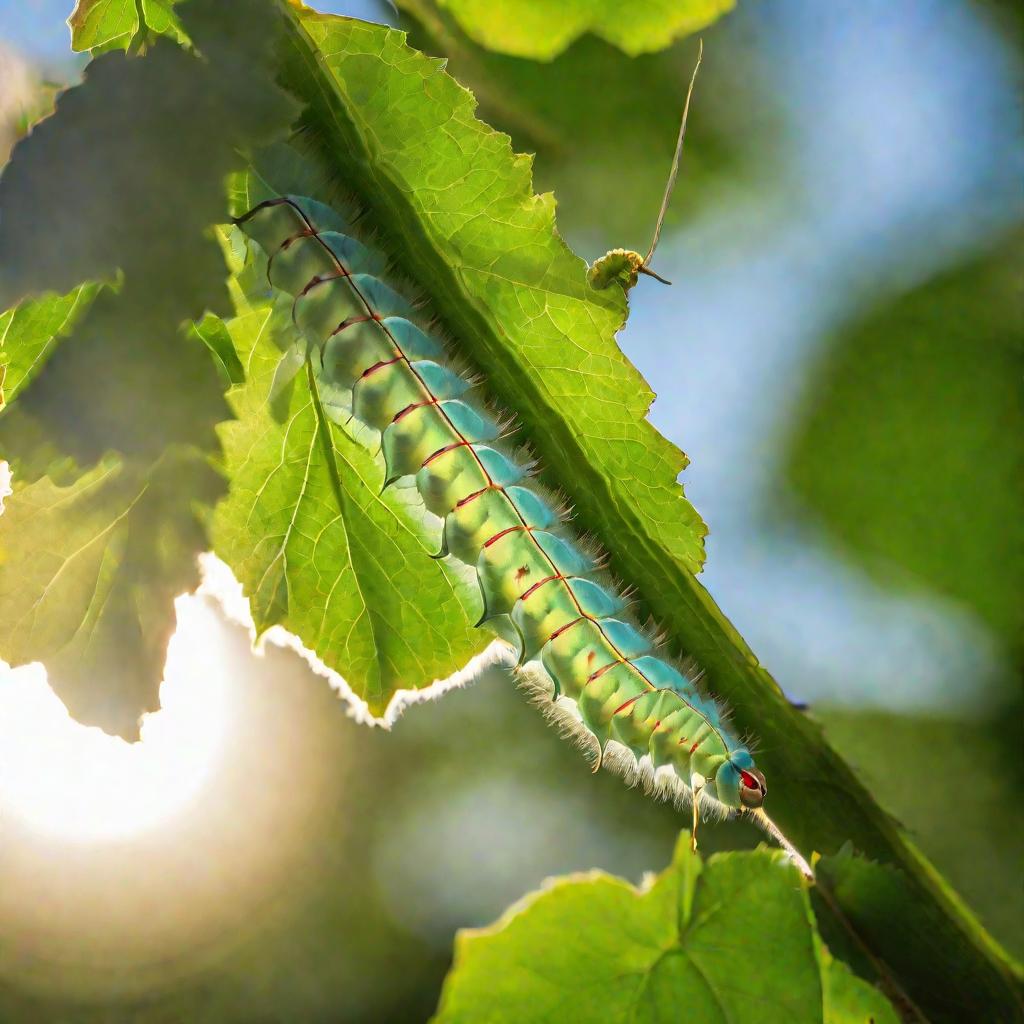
x=530, y=568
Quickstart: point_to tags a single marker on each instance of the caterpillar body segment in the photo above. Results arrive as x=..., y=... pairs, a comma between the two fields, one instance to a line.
x=528, y=566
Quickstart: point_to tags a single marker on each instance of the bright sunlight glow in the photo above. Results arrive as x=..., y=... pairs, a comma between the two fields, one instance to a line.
x=77, y=783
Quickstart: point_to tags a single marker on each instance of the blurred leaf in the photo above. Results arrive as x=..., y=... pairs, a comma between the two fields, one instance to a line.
x=911, y=445
x=979, y=844
x=123, y=181
x=729, y=940
x=29, y=331
x=89, y=573
x=127, y=379
x=533, y=28
x=319, y=549
x=877, y=899
x=604, y=125
x=127, y=173
x=848, y=1000
x=101, y=25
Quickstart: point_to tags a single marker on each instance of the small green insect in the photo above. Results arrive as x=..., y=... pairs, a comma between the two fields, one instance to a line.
x=600, y=673
x=623, y=266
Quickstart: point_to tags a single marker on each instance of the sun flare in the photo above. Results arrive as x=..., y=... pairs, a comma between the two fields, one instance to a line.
x=77, y=783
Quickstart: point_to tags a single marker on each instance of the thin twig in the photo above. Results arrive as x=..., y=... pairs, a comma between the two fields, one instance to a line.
x=675, y=160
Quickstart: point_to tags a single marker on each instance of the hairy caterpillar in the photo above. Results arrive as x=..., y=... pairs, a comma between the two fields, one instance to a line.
x=528, y=567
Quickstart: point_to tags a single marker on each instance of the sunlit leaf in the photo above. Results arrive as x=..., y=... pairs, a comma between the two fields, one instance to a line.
x=731, y=939
x=29, y=331
x=456, y=204
x=319, y=549
x=88, y=576
x=161, y=19
x=455, y=211
x=101, y=25
x=533, y=28
x=214, y=335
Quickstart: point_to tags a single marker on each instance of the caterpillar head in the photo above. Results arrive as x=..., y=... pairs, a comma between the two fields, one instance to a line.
x=739, y=784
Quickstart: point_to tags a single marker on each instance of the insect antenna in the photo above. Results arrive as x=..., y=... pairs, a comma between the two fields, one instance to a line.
x=673, y=174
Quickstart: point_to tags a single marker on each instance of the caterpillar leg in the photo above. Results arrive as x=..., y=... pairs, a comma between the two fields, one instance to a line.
x=696, y=786
x=600, y=758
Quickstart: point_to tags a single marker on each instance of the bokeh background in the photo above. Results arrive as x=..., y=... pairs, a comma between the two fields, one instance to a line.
x=841, y=357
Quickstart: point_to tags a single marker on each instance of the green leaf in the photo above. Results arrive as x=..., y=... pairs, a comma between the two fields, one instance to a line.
x=319, y=549
x=89, y=573
x=101, y=25
x=849, y=1000
x=914, y=406
x=436, y=645
x=533, y=28
x=729, y=940
x=160, y=18
x=29, y=331
x=124, y=380
x=212, y=332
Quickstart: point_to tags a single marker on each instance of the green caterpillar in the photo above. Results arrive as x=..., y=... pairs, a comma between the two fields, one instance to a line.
x=527, y=565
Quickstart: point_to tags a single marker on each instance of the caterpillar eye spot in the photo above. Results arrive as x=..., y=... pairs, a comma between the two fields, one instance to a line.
x=753, y=788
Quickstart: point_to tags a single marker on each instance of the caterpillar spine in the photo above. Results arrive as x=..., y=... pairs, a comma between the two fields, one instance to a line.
x=527, y=566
